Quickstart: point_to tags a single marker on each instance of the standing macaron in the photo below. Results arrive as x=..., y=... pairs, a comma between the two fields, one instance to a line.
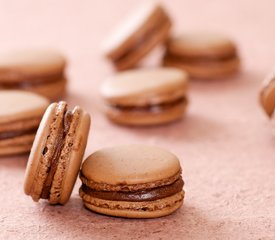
x=144, y=29
x=20, y=115
x=133, y=181
x=267, y=95
x=203, y=55
x=40, y=71
x=57, y=153
x=146, y=96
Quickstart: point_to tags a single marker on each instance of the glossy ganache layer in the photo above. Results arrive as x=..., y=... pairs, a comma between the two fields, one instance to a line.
x=137, y=196
x=152, y=107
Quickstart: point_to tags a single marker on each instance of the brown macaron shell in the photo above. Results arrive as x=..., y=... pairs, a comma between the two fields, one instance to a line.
x=47, y=140
x=132, y=169
x=146, y=97
x=203, y=55
x=267, y=95
x=148, y=26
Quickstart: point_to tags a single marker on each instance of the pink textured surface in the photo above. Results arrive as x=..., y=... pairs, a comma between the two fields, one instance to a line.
x=224, y=143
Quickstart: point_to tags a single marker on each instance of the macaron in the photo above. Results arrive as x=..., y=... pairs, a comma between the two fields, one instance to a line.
x=37, y=70
x=146, y=96
x=267, y=94
x=203, y=55
x=20, y=115
x=146, y=27
x=57, y=153
x=132, y=181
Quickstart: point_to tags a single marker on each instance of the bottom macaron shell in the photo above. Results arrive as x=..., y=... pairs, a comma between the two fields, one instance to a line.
x=207, y=70
x=149, y=209
x=16, y=145
x=53, y=91
x=146, y=118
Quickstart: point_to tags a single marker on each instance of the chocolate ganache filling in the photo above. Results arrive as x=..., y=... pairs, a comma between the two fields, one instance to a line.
x=138, y=196
x=59, y=144
x=29, y=81
x=152, y=107
x=13, y=134
x=200, y=60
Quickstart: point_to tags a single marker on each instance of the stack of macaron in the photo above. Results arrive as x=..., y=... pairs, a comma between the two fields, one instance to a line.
x=37, y=70
x=202, y=55
x=267, y=97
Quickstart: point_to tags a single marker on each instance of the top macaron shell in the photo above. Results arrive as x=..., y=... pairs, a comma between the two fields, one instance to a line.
x=31, y=62
x=130, y=164
x=200, y=44
x=140, y=87
x=20, y=105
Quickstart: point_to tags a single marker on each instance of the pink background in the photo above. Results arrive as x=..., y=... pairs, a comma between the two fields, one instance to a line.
x=224, y=142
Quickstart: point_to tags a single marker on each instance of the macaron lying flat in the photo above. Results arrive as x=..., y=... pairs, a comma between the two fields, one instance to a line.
x=20, y=115
x=202, y=55
x=57, y=153
x=267, y=95
x=146, y=96
x=132, y=181
x=144, y=29
x=40, y=71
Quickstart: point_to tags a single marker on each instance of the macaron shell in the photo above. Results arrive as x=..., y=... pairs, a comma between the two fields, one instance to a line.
x=146, y=118
x=201, y=44
x=130, y=164
x=17, y=145
x=15, y=150
x=207, y=70
x=71, y=158
x=26, y=139
x=135, y=25
x=143, y=49
x=37, y=166
x=139, y=87
x=20, y=105
x=53, y=90
x=267, y=96
x=150, y=209
x=31, y=62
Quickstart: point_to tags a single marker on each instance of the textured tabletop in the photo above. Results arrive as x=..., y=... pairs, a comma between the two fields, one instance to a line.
x=224, y=142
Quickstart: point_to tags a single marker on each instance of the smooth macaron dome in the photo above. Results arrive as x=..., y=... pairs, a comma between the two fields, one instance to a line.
x=134, y=181
x=57, y=153
x=138, y=34
x=20, y=115
x=202, y=54
x=267, y=94
x=146, y=96
x=37, y=70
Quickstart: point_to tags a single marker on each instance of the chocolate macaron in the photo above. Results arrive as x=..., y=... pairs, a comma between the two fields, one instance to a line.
x=40, y=71
x=20, y=115
x=57, y=153
x=267, y=95
x=146, y=96
x=144, y=29
x=203, y=55
x=132, y=181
